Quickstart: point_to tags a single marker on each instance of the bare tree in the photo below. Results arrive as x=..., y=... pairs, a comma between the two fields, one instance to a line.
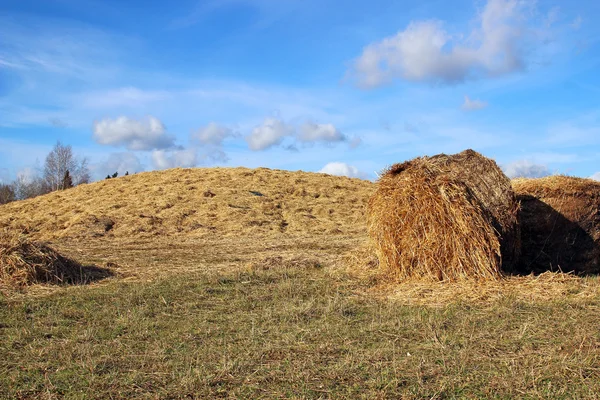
x=27, y=187
x=7, y=193
x=61, y=161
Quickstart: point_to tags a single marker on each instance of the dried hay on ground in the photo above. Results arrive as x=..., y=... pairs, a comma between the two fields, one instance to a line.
x=197, y=202
x=445, y=218
x=24, y=262
x=277, y=262
x=547, y=287
x=560, y=224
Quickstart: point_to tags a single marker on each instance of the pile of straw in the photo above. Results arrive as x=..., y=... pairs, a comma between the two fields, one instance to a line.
x=560, y=224
x=23, y=262
x=445, y=218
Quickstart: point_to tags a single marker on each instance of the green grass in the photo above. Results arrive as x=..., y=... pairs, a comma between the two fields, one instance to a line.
x=284, y=333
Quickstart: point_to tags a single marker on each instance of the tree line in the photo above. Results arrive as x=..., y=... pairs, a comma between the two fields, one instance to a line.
x=62, y=170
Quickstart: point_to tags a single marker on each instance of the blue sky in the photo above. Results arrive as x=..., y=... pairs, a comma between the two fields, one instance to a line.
x=345, y=87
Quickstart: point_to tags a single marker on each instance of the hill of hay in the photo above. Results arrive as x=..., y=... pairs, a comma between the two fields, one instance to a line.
x=197, y=202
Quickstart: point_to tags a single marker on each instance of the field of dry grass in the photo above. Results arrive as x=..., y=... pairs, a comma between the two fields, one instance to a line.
x=237, y=283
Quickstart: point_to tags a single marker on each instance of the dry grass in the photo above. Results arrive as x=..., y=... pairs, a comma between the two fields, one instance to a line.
x=245, y=311
x=444, y=218
x=560, y=223
x=295, y=331
x=549, y=286
x=360, y=265
x=24, y=262
x=198, y=202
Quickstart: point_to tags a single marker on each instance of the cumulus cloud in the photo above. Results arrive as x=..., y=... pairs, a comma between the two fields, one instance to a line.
x=273, y=131
x=118, y=162
x=213, y=134
x=472, y=105
x=164, y=159
x=270, y=133
x=424, y=51
x=311, y=132
x=341, y=169
x=146, y=134
x=526, y=169
x=596, y=176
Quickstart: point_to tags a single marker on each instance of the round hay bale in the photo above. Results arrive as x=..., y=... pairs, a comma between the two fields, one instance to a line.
x=560, y=224
x=445, y=218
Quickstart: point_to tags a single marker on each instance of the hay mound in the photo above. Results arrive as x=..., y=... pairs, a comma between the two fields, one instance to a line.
x=445, y=218
x=23, y=262
x=196, y=202
x=560, y=224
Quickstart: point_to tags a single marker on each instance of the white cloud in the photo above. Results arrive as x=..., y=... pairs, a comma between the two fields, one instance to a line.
x=596, y=176
x=472, y=105
x=311, y=132
x=341, y=169
x=576, y=24
x=185, y=158
x=270, y=133
x=213, y=134
x=147, y=134
x=424, y=51
x=118, y=162
x=526, y=169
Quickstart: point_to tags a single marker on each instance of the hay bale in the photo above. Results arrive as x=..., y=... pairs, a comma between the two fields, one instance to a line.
x=445, y=218
x=560, y=224
x=23, y=262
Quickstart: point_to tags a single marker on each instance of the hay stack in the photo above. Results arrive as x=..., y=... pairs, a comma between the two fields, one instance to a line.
x=560, y=224
x=445, y=218
x=23, y=262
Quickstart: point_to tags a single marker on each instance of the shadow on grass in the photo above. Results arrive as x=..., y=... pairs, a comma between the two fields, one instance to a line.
x=552, y=242
x=87, y=274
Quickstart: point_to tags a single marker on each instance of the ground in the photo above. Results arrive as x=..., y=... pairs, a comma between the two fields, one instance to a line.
x=274, y=314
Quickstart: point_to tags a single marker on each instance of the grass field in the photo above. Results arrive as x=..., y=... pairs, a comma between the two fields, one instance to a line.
x=281, y=315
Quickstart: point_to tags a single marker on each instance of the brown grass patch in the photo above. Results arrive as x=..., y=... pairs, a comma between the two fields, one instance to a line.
x=445, y=218
x=560, y=224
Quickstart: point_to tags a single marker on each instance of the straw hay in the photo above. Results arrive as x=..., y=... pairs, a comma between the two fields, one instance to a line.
x=198, y=202
x=444, y=218
x=544, y=288
x=560, y=224
x=24, y=262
